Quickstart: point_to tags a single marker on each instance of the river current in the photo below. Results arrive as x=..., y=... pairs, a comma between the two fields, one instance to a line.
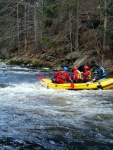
x=35, y=118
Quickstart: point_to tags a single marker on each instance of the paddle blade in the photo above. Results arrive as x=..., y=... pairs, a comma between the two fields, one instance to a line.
x=72, y=85
x=40, y=77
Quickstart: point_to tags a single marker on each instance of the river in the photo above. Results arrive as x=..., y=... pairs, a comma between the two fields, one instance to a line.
x=35, y=118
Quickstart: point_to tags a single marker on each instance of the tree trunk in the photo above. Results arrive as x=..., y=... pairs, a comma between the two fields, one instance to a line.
x=77, y=25
x=105, y=24
x=25, y=28
x=18, y=27
x=70, y=32
x=35, y=23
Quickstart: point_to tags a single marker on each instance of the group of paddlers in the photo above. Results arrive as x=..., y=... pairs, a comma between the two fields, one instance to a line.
x=62, y=76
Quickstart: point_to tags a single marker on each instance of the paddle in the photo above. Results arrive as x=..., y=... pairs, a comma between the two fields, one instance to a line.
x=72, y=84
x=40, y=77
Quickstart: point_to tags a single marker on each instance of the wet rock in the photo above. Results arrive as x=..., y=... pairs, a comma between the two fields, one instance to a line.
x=3, y=85
x=73, y=55
x=83, y=59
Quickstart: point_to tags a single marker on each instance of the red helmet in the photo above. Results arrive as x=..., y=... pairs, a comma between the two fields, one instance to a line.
x=86, y=68
x=75, y=68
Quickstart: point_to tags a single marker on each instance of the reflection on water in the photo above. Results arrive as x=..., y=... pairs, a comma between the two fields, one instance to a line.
x=35, y=118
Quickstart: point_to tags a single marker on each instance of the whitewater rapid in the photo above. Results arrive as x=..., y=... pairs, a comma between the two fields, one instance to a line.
x=33, y=117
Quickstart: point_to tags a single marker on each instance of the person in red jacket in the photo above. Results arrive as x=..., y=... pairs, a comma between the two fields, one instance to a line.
x=86, y=74
x=76, y=77
x=61, y=76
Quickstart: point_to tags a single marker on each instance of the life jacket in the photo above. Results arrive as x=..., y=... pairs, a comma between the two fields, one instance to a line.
x=103, y=72
x=62, y=75
x=88, y=77
x=77, y=75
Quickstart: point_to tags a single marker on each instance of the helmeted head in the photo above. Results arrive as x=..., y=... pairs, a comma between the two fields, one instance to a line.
x=65, y=69
x=86, y=68
x=74, y=68
x=96, y=65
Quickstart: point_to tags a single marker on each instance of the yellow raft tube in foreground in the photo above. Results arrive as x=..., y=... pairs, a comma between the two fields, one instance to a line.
x=104, y=84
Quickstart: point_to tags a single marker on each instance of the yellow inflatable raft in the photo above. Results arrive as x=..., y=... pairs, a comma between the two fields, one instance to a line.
x=104, y=84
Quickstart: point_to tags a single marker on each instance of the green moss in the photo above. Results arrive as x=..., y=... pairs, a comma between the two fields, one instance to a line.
x=47, y=41
x=47, y=23
x=49, y=10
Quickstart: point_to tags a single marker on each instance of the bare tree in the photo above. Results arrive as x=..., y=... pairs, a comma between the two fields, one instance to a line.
x=22, y=18
x=105, y=24
x=77, y=25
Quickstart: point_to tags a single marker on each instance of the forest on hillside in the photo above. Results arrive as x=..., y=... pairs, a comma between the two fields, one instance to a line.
x=57, y=26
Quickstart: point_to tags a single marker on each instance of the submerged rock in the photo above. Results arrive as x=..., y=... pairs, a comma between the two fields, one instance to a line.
x=3, y=85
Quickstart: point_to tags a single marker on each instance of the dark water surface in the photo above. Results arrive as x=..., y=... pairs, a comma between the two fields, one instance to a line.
x=35, y=118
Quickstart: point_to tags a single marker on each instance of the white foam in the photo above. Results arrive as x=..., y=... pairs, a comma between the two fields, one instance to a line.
x=84, y=102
